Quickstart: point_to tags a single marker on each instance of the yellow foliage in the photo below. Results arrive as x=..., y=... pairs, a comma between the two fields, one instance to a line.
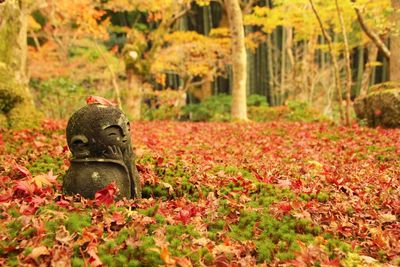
x=32, y=24
x=190, y=54
x=297, y=14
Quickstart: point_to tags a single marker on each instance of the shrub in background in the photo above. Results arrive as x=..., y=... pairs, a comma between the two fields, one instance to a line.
x=218, y=107
x=265, y=113
x=60, y=97
x=304, y=112
x=257, y=101
x=213, y=108
x=163, y=105
x=294, y=111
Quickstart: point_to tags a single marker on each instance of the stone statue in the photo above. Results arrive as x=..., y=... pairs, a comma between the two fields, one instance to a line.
x=99, y=138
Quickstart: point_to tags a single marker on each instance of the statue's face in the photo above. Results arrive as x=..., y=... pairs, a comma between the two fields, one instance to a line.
x=94, y=129
x=115, y=134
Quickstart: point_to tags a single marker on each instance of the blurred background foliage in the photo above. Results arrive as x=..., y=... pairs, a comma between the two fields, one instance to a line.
x=172, y=59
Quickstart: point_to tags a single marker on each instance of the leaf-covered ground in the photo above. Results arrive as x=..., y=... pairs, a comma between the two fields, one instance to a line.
x=214, y=194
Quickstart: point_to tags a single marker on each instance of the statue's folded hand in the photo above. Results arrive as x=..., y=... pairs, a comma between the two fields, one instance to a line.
x=114, y=152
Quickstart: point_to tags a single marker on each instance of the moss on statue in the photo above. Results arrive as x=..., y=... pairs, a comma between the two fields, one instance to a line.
x=381, y=107
x=16, y=107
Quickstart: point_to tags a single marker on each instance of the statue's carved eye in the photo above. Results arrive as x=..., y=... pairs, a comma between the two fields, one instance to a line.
x=114, y=131
x=79, y=142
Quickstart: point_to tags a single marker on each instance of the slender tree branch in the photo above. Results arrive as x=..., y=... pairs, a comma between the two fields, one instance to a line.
x=371, y=34
x=177, y=16
x=35, y=40
x=113, y=76
x=198, y=83
x=247, y=7
x=347, y=60
x=334, y=60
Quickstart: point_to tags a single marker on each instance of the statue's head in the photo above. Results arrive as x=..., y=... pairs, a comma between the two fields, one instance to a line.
x=94, y=128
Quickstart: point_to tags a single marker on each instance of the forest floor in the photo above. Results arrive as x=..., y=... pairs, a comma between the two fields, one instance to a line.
x=217, y=194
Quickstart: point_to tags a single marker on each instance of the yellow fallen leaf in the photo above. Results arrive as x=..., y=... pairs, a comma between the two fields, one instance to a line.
x=316, y=164
x=41, y=180
x=38, y=251
x=387, y=217
x=166, y=257
x=169, y=187
x=44, y=179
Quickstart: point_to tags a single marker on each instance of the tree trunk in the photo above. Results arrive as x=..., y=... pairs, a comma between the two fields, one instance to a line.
x=309, y=69
x=239, y=60
x=17, y=108
x=372, y=54
x=271, y=77
x=133, y=95
x=283, y=67
x=360, y=68
x=395, y=44
x=347, y=62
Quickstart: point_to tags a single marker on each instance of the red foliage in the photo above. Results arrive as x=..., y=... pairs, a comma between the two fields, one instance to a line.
x=345, y=180
x=106, y=195
x=99, y=100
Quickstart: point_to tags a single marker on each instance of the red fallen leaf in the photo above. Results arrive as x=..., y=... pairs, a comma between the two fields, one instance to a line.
x=1, y=140
x=38, y=144
x=221, y=261
x=378, y=112
x=63, y=203
x=94, y=259
x=6, y=196
x=260, y=178
x=24, y=187
x=160, y=161
x=106, y=195
x=27, y=209
x=284, y=207
x=32, y=205
x=23, y=171
x=284, y=183
x=118, y=218
x=99, y=100
x=183, y=262
x=185, y=215
x=114, y=49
